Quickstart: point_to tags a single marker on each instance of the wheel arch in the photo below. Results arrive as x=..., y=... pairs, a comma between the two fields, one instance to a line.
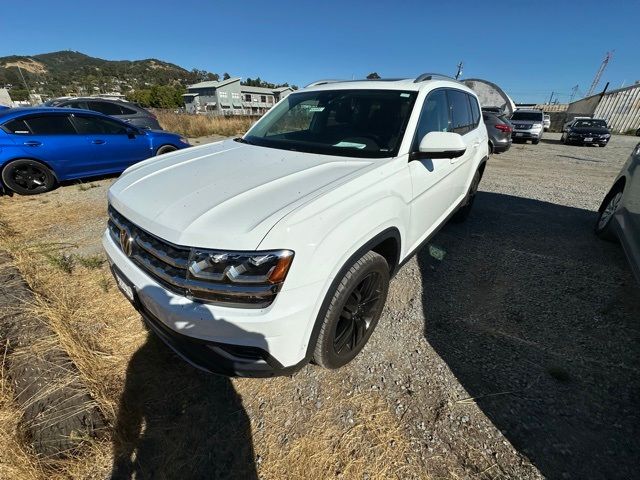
x=43, y=162
x=618, y=186
x=382, y=243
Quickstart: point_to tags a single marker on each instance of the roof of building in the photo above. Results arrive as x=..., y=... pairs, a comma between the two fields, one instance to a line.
x=214, y=83
x=248, y=88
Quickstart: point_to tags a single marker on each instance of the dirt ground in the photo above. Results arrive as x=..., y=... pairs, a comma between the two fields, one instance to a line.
x=508, y=349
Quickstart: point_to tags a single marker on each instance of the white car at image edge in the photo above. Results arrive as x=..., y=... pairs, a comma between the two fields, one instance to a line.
x=257, y=255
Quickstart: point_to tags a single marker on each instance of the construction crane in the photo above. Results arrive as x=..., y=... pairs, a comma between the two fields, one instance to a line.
x=596, y=79
x=574, y=91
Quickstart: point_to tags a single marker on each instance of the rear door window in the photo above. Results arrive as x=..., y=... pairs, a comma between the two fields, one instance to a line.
x=105, y=107
x=50, y=125
x=475, y=111
x=460, y=111
x=90, y=125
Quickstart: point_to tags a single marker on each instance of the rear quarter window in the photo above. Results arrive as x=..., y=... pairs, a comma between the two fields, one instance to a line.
x=17, y=126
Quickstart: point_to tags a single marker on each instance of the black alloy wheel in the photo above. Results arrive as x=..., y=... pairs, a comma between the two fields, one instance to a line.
x=358, y=314
x=352, y=310
x=27, y=177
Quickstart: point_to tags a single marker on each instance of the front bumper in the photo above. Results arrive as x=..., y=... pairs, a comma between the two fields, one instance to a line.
x=230, y=341
x=526, y=134
x=581, y=140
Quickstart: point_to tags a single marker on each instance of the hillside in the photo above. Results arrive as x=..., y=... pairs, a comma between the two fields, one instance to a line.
x=68, y=72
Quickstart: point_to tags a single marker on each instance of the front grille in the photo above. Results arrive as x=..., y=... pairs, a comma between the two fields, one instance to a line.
x=523, y=126
x=165, y=262
x=168, y=265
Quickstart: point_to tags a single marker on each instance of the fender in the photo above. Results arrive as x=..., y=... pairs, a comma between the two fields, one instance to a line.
x=391, y=232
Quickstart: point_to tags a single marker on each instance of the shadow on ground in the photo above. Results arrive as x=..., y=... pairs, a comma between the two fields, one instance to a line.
x=176, y=422
x=540, y=322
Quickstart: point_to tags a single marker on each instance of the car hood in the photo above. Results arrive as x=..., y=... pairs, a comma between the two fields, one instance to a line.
x=226, y=195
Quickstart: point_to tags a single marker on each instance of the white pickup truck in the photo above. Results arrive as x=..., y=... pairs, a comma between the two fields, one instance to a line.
x=256, y=255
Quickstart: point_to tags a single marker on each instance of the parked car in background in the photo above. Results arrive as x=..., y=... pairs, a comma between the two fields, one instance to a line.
x=252, y=257
x=568, y=123
x=527, y=125
x=42, y=146
x=493, y=109
x=619, y=214
x=588, y=131
x=125, y=111
x=499, y=130
x=546, y=122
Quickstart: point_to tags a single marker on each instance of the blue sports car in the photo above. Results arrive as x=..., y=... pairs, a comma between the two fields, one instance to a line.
x=42, y=146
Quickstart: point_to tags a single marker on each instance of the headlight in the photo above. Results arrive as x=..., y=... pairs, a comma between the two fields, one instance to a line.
x=184, y=140
x=237, y=277
x=605, y=135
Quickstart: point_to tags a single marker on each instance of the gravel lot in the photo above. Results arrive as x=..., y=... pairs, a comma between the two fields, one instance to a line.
x=530, y=315
x=508, y=348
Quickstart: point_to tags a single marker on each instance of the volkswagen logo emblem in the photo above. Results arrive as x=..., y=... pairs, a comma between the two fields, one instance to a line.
x=126, y=242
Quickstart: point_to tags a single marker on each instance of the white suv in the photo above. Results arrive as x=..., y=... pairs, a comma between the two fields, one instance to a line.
x=256, y=255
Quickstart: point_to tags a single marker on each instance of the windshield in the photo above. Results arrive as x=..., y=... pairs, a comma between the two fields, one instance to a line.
x=590, y=123
x=357, y=123
x=531, y=116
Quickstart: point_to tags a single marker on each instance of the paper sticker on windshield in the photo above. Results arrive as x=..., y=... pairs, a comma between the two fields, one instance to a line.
x=316, y=109
x=405, y=95
x=350, y=145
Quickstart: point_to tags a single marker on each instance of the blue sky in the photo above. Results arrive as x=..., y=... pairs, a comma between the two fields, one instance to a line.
x=530, y=49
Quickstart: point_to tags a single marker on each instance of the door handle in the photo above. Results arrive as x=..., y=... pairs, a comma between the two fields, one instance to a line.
x=98, y=142
x=33, y=143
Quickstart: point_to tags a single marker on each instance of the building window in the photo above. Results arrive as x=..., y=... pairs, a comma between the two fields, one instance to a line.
x=247, y=97
x=269, y=99
x=222, y=94
x=263, y=98
x=235, y=95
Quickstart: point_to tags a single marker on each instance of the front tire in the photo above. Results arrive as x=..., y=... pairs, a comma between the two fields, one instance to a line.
x=27, y=177
x=166, y=149
x=353, y=313
x=604, y=227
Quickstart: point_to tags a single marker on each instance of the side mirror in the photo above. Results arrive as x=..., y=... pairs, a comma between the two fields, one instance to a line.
x=440, y=145
x=132, y=132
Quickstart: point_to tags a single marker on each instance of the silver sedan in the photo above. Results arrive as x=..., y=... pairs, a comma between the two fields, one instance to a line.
x=619, y=214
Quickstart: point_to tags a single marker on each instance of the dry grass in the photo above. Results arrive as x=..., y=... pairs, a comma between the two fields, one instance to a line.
x=203, y=125
x=346, y=437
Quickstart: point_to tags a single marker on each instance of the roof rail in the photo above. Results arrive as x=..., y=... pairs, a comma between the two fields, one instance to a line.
x=322, y=82
x=433, y=76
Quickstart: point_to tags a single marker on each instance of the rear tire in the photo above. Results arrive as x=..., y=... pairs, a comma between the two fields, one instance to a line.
x=535, y=142
x=28, y=177
x=603, y=227
x=353, y=313
x=166, y=149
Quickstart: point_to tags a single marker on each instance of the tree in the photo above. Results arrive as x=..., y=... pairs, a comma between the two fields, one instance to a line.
x=19, y=94
x=373, y=76
x=159, y=96
x=226, y=76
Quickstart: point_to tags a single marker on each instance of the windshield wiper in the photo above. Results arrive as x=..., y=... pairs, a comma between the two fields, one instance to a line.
x=242, y=140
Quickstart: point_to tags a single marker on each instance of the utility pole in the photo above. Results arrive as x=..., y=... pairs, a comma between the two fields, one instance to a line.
x=551, y=98
x=574, y=91
x=460, y=66
x=599, y=73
